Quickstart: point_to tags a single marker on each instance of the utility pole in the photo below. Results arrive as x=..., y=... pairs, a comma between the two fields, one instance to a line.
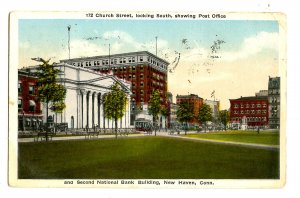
x=156, y=46
x=69, y=29
x=109, y=57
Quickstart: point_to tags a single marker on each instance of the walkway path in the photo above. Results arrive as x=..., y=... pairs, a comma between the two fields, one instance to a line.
x=164, y=134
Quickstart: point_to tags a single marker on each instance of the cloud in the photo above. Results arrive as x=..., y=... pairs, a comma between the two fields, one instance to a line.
x=253, y=45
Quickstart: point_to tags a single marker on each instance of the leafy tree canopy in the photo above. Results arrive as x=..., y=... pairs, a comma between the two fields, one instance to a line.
x=205, y=113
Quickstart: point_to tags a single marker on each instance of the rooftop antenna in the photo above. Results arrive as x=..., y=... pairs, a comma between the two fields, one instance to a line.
x=69, y=29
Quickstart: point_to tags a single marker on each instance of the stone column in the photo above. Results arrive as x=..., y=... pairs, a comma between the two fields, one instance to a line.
x=102, y=111
x=78, y=109
x=84, y=109
x=99, y=110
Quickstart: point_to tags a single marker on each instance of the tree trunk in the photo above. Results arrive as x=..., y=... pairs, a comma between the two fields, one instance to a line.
x=47, y=121
x=155, y=126
x=185, y=128
x=116, y=127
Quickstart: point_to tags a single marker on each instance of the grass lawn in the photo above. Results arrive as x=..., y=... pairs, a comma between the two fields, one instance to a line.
x=144, y=157
x=269, y=138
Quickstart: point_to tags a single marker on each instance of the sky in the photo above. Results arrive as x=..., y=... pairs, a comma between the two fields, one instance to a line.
x=233, y=58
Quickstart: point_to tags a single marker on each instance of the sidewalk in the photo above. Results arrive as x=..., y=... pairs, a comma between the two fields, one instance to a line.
x=253, y=145
x=164, y=134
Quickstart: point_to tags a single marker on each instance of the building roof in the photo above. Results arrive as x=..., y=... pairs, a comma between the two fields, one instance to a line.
x=115, y=55
x=250, y=98
x=188, y=96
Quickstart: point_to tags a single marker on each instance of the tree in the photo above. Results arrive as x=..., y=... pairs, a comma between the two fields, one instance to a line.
x=205, y=114
x=184, y=113
x=49, y=91
x=224, y=117
x=154, y=107
x=115, y=104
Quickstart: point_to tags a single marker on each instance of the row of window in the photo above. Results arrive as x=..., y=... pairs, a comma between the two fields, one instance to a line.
x=31, y=88
x=273, y=91
x=250, y=119
x=31, y=105
x=118, y=60
x=274, y=100
x=250, y=112
x=264, y=105
x=120, y=69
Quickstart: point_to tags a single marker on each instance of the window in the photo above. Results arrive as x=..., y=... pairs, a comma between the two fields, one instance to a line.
x=133, y=84
x=252, y=105
x=242, y=106
x=252, y=111
x=264, y=105
x=133, y=76
x=142, y=84
x=258, y=111
x=142, y=76
x=31, y=89
x=236, y=106
x=264, y=111
x=31, y=106
x=133, y=68
x=242, y=112
x=19, y=87
x=141, y=58
x=20, y=103
x=247, y=105
x=258, y=105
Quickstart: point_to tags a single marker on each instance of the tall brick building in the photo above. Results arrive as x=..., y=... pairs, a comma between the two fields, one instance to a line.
x=195, y=101
x=145, y=71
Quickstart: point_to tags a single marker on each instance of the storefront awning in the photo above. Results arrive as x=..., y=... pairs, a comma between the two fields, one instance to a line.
x=31, y=103
x=28, y=120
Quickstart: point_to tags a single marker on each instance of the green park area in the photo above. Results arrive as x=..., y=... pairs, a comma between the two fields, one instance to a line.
x=146, y=157
x=268, y=138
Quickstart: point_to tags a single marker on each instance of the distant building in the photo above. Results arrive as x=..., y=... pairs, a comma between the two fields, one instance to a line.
x=262, y=93
x=274, y=102
x=29, y=106
x=173, y=114
x=195, y=101
x=253, y=110
x=215, y=107
x=146, y=72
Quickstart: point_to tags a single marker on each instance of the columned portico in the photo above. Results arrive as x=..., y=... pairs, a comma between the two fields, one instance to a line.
x=85, y=96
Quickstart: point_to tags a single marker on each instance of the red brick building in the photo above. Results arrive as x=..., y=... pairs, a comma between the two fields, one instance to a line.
x=195, y=101
x=29, y=106
x=254, y=109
